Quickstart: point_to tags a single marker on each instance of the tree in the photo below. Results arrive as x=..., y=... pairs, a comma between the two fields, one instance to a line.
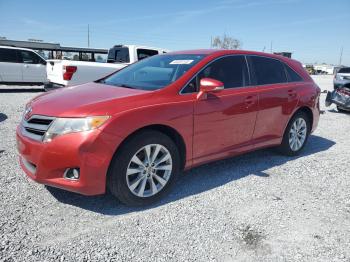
x=226, y=42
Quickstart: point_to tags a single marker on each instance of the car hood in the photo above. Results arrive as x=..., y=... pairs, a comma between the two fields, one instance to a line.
x=86, y=99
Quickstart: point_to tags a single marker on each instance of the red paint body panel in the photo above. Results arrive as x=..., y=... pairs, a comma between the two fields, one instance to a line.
x=216, y=126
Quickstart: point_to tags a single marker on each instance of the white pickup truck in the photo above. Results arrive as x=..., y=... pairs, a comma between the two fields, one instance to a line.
x=61, y=73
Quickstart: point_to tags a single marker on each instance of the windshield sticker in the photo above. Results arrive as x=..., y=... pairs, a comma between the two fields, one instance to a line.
x=181, y=62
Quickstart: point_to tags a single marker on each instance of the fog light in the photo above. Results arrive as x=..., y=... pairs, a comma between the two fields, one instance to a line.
x=72, y=173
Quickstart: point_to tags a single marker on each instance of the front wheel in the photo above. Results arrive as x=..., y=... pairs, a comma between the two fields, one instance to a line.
x=144, y=169
x=295, y=135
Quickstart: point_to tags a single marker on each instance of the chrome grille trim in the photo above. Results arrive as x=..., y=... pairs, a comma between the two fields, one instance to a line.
x=33, y=130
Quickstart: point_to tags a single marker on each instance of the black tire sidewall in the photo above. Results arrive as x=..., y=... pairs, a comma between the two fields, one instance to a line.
x=285, y=146
x=117, y=182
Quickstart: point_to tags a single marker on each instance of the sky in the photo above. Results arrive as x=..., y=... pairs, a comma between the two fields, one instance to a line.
x=315, y=31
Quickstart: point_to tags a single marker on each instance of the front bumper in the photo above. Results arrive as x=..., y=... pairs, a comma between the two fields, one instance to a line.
x=339, y=97
x=46, y=163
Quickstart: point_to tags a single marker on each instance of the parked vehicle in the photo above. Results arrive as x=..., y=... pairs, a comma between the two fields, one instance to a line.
x=135, y=130
x=21, y=66
x=340, y=97
x=342, y=78
x=63, y=73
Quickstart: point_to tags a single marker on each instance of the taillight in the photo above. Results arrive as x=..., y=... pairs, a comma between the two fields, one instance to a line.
x=68, y=72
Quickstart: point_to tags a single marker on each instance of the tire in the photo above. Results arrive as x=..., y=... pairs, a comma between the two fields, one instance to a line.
x=123, y=186
x=286, y=147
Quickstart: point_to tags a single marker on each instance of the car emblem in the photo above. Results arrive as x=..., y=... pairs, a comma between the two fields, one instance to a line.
x=27, y=113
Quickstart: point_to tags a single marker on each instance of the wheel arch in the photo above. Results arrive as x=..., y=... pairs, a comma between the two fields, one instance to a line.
x=172, y=133
x=307, y=111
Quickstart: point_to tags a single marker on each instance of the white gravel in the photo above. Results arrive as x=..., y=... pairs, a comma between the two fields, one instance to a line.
x=256, y=207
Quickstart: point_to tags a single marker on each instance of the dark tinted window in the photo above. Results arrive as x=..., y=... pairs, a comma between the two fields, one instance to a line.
x=8, y=55
x=292, y=75
x=191, y=87
x=29, y=57
x=231, y=70
x=144, y=53
x=118, y=55
x=344, y=70
x=267, y=70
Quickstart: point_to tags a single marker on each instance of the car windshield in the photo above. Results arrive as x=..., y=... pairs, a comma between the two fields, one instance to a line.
x=154, y=72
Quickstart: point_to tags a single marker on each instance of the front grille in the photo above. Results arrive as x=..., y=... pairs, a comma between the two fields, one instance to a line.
x=36, y=126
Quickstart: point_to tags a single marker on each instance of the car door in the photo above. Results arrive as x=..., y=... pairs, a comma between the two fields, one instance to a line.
x=34, y=67
x=277, y=99
x=10, y=66
x=224, y=121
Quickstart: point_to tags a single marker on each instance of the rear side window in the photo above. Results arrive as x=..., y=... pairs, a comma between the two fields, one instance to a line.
x=144, y=53
x=118, y=55
x=29, y=57
x=231, y=70
x=267, y=71
x=8, y=55
x=344, y=70
x=292, y=75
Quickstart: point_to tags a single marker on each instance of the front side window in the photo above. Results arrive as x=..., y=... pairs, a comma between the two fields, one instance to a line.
x=267, y=70
x=154, y=72
x=8, y=55
x=29, y=57
x=231, y=70
x=144, y=53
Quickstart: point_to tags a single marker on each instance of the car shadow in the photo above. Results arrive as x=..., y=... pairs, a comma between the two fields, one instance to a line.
x=21, y=90
x=198, y=179
x=3, y=117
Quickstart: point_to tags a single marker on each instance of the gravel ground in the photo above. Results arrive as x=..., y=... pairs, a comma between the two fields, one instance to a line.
x=256, y=207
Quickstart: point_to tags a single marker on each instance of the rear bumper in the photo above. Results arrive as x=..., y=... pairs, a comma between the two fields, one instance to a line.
x=46, y=163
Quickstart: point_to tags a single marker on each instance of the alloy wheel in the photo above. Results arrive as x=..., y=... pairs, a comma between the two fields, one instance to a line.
x=297, y=134
x=149, y=170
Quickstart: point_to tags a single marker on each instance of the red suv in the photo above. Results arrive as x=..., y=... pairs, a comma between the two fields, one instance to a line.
x=135, y=130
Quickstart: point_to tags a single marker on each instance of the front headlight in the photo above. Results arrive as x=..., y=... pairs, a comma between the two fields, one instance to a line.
x=61, y=126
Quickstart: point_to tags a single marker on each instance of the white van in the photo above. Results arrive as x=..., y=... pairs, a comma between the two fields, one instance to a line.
x=21, y=66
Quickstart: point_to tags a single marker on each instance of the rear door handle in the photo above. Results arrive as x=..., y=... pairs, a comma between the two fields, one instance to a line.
x=250, y=100
x=292, y=93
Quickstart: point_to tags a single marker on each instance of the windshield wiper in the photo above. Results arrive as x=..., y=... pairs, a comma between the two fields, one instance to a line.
x=125, y=86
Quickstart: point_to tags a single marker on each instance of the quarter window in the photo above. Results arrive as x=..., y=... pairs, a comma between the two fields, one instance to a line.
x=8, y=55
x=292, y=75
x=267, y=70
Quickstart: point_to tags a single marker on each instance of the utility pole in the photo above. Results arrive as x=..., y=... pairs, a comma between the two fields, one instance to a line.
x=271, y=47
x=211, y=42
x=88, y=35
x=341, y=55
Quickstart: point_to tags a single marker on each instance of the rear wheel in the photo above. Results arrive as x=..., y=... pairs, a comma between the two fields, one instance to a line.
x=296, y=134
x=144, y=169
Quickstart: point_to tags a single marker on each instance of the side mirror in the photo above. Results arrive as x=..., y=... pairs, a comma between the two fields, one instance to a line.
x=209, y=85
